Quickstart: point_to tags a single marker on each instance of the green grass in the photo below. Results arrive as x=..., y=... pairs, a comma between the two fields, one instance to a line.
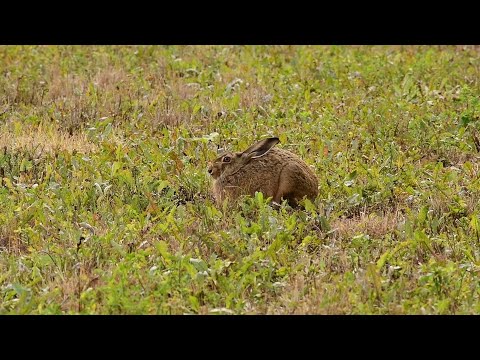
x=105, y=202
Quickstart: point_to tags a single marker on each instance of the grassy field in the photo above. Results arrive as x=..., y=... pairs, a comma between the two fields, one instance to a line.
x=105, y=201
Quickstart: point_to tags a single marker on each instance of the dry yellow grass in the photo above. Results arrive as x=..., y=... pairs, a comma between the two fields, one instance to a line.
x=44, y=140
x=369, y=224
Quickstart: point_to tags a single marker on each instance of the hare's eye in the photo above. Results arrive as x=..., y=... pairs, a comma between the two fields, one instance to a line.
x=226, y=159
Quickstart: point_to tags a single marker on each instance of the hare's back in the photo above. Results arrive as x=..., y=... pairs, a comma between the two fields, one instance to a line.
x=273, y=161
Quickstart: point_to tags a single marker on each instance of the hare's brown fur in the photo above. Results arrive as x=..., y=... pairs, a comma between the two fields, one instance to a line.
x=277, y=173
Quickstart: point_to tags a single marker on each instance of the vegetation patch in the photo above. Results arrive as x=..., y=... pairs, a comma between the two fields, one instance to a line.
x=106, y=204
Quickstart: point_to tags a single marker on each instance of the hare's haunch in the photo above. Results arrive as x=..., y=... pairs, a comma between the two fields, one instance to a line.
x=275, y=172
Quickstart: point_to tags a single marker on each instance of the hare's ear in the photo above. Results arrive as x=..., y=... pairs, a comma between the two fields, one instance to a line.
x=261, y=148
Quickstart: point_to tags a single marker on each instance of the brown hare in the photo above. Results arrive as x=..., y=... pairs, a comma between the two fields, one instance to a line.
x=275, y=172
